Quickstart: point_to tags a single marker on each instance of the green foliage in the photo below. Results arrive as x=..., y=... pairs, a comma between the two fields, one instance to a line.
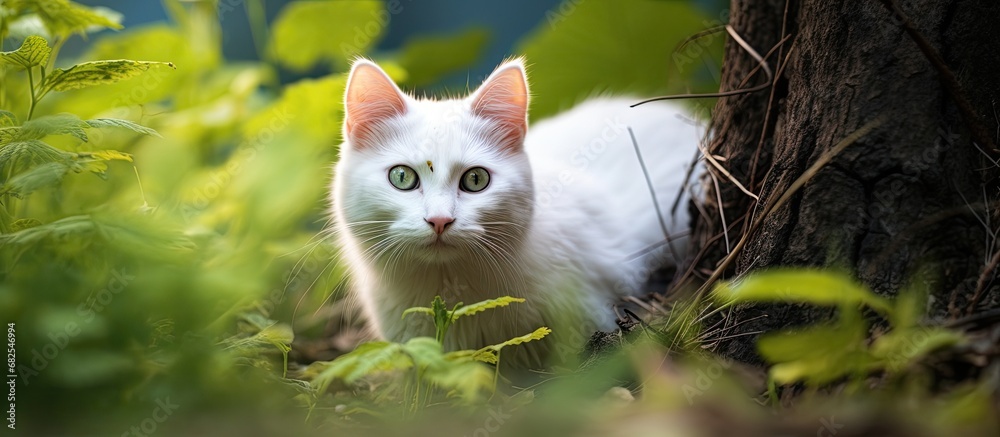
x=800, y=286
x=821, y=354
x=426, y=59
x=587, y=47
x=178, y=271
x=34, y=52
x=63, y=18
x=482, y=355
x=190, y=270
x=28, y=164
x=457, y=372
x=94, y=73
x=422, y=358
x=301, y=23
x=443, y=318
x=261, y=333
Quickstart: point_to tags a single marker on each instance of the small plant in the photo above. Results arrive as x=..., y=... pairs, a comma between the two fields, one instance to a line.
x=259, y=334
x=824, y=353
x=27, y=162
x=457, y=373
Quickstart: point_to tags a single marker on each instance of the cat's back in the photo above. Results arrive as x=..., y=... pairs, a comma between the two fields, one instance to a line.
x=586, y=168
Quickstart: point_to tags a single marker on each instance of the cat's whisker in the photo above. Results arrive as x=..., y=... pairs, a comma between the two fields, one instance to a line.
x=496, y=270
x=372, y=253
x=310, y=287
x=498, y=248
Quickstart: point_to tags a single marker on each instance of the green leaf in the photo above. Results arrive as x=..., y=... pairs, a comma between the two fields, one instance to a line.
x=34, y=52
x=588, y=47
x=40, y=176
x=7, y=119
x=140, y=237
x=94, y=73
x=61, y=124
x=300, y=110
x=59, y=230
x=468, y=379
x=362, y=361
x=110, y=155
x=154, y=42
x=256, y=322
x=97, y=162
x=279, y=334
x=18, y=156
x=304, y=34
x=800, y=286
x=425, y=352
x=25, y=223
x=469, y=310
x=67, y=124
x=64, y=17
x=442, y=317
x=439, y=312
x=422, y=310
x=486, y=355
x=371, y=353
x=900, y=348
x=8, y=134
x=537, y=334
x=122, y=124
x=490, y=354
x=427, y=59
x=909, y=306
x=818, y=354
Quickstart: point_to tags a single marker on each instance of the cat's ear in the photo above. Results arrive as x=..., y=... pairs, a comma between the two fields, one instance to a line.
x=371, y=97
x=503, y=98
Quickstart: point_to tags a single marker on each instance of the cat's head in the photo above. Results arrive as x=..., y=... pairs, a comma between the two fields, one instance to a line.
x=434, y=180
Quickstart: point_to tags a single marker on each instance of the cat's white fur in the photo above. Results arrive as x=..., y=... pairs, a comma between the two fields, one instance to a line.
x=566, y=221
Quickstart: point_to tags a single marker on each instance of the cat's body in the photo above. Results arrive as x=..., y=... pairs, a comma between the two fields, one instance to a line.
x=564, y=219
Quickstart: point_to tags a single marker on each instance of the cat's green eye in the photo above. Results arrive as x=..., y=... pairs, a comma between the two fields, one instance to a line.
x=474, y=180
x=403, y=177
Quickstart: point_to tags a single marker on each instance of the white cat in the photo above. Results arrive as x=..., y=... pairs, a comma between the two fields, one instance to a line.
x=459, y=198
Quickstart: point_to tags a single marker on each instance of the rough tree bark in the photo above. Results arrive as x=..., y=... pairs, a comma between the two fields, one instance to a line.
x=912, y=199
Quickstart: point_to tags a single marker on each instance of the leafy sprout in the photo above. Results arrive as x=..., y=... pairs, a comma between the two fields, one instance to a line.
x=828, y=352
x=459, y=372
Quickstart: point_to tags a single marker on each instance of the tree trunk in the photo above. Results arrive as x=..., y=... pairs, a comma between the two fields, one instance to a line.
x=913, y=200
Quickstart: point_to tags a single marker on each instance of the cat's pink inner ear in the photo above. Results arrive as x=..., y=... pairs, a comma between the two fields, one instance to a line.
x=371, y=98
x=503, y=98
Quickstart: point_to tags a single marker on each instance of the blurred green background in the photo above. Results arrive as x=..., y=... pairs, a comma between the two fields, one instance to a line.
x=177, y=271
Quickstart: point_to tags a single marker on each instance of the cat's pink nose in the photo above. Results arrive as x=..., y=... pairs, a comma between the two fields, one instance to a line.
x=439, y=223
